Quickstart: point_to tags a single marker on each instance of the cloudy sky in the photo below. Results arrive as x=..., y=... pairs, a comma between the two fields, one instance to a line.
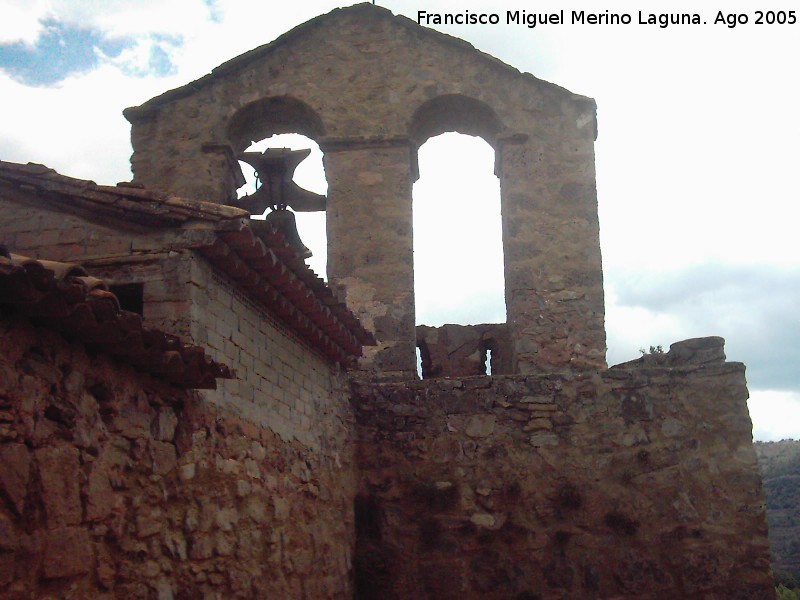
x=697, y=156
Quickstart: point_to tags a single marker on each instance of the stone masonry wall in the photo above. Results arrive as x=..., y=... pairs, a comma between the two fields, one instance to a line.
x=113, y=485
x=281, y=382
x=371, y=88
x=633, y=482
x=370, y=255
x=109, y=254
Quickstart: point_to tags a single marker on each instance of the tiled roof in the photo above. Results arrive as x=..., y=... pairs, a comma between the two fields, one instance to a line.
x=63, y=296
x=252, y=252
x=124, y=200
x=257, y=257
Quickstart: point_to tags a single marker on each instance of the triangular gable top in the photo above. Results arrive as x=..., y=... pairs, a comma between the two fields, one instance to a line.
x=369, y=11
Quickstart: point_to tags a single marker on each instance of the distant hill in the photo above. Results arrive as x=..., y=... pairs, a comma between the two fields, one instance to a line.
x=780, y=471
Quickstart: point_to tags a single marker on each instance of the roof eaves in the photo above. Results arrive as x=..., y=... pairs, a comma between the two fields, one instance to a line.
x=62, y=296
x=259, y=259
x=124, y=200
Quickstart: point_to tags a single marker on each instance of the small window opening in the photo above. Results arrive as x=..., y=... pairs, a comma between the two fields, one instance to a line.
x=458, y=248
x=486, y=357
x=310, y=175
x=130, y=296
x=424, y=366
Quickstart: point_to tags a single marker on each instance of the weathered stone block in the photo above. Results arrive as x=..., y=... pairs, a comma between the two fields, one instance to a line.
x=67, y=552
x=98, y=494
x=163, y=456
x=480, y=426
x=15, y=461
x=59, y=471
x=164, y=424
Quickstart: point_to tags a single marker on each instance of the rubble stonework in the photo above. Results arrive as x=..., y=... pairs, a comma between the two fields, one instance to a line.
x=117, y=485
x=572, y=485
x=464, y=350
x=306, y=474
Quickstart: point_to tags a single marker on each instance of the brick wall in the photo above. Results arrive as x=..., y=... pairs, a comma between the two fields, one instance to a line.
x=282, y=383
x=637, y=482
x=113, y=485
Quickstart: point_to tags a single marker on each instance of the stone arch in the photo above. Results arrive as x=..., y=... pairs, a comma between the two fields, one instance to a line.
x=454, y=112
x=269, y=116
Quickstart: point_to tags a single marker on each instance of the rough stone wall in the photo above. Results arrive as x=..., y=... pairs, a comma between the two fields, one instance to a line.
x=282, y=382
x=370, y=88
x=164, y=277
x=461, y=350
x=635, y=482
x=113, y=485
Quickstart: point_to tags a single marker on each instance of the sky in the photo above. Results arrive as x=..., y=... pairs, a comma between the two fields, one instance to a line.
x=697, y=154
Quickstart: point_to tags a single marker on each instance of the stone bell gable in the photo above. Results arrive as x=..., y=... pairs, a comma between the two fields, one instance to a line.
x=370, y=88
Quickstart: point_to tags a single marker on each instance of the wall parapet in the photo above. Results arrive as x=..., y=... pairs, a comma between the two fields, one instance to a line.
x=608, y=483
x=696, y=351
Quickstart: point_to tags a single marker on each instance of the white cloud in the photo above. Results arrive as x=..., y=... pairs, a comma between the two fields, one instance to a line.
x=21, y=21
x=77, y=127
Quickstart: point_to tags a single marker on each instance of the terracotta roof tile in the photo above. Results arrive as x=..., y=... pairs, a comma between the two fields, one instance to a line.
x=63, y=296
x=125, y=200
x=252, y=252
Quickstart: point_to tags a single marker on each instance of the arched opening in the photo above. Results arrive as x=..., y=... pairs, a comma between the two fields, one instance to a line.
x=270, y=116
x=285, y=122
x=454, y=112
x=458, y=247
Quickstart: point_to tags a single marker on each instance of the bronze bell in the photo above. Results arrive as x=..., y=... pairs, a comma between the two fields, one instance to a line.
x=284, y=221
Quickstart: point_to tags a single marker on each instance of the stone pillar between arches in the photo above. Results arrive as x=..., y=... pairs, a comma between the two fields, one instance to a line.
x=370, y=244
x=551, y=247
